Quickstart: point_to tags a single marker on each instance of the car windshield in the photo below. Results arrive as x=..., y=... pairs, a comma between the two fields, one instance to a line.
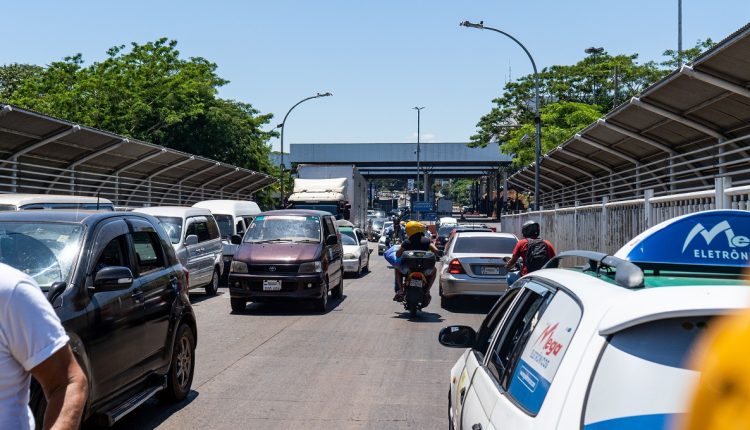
x=446, y=230
x=173, y=226
x=44, y=251
x=226, y=224
x=648, y=360
x=377, y=224
x=484, y=245
x=284, y=228
x=347, y=240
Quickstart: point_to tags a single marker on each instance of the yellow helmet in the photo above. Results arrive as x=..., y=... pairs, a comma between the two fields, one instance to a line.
x=414, y=227
x=720, y=399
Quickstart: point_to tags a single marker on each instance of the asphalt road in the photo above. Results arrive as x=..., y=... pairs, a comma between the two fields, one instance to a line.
x=362, y=365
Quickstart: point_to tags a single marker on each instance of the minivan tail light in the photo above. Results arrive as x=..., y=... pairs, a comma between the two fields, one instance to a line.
x=455, y=267
x=187, y=278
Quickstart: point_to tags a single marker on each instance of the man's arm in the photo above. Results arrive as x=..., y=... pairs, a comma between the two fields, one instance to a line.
x=65, y=387
x=516, y=255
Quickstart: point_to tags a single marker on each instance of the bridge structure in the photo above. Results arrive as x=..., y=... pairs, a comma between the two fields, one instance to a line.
x=443, y=160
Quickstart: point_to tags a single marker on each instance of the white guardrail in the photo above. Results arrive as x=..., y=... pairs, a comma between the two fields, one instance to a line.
x=607, y=226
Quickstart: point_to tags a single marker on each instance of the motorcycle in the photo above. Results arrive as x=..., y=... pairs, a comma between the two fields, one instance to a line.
x=419, y=266
x=514, y=272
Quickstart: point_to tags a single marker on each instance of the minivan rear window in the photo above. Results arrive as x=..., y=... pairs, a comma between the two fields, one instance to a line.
x=284, y=228
x=484, y=245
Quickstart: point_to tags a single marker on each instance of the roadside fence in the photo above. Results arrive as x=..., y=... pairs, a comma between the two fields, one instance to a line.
x=607, y=226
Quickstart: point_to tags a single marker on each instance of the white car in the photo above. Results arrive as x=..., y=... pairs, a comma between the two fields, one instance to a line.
x=356, y=251
x=605, y=346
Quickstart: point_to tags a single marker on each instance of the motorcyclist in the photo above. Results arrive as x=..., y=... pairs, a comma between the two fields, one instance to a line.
x=396, y=233
x=416, y=241
x=535, y=252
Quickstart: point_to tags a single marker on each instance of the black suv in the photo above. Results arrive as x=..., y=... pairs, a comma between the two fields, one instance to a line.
x=121, y=294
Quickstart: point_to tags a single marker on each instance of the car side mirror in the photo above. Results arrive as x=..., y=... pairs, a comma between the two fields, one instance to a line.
x=235, y=239
x=191, y=239
x=113, y=278
x=331, y=239
x=457, y=336
x=55, y=290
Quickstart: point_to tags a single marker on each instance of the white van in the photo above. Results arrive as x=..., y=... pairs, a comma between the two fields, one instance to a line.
x=196, y=241
x=233, y=217
x=21, y=202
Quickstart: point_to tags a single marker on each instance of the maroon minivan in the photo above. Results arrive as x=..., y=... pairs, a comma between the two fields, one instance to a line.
x=288, y=254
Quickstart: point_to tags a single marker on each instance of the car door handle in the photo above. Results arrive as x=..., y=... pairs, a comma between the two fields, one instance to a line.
x=476, y=426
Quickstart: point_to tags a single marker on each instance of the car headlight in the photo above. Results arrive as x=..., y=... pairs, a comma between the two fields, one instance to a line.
x=238, y=267
x=350, y=257
x=311, y=267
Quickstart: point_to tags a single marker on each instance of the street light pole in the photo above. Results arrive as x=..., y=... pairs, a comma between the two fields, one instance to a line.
x=537, y=117
x=416, y=184
x=283, y=123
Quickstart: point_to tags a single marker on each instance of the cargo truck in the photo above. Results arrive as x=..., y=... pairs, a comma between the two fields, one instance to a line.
x=338, y=189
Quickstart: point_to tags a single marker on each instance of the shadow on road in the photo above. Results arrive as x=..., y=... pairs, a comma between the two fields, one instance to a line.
x=470, y=305
x=288, y=307
x=422, y=317
x=196, y=297
x=149, y=415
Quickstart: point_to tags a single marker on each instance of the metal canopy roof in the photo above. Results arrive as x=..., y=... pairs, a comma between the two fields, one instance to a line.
x=441, y=160
x=678, y=134
x=49, y=155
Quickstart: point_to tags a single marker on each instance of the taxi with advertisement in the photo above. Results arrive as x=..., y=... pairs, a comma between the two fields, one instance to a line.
x=606, y=344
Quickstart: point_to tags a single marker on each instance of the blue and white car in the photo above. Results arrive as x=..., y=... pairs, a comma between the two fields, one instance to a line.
x=605, y=346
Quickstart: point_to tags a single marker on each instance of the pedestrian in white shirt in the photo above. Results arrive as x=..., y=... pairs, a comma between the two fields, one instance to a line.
x=34, y=343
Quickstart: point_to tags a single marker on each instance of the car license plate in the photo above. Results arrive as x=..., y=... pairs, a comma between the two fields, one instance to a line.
x=271, y=285
x=490, y=270
x=415, y=283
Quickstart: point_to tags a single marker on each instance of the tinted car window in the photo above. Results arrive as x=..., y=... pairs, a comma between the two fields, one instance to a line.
x=494, y=316
x=173, y=227
x=445, y=230
x=147, y=251
x=248, y=220
x=200, y=229
x=112, y=255
x=520, y=323
x=213, y=229
x=348, y=240
x=484, y=245
x=7, y=208
x=648, y=361
x=225, y=223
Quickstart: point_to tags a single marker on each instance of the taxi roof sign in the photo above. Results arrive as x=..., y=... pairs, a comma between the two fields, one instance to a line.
x=716, y=241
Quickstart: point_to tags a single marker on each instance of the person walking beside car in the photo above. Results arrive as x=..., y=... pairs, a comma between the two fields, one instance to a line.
x=535, y=252
x=33, y=343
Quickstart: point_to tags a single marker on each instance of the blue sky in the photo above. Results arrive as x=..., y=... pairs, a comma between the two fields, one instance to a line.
x=378, y=58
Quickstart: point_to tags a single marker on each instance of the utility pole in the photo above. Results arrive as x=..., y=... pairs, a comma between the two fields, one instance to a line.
x=416, y=184
x=679, y=34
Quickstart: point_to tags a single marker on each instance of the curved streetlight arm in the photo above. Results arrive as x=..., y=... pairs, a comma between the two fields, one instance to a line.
x=281, y=178
x=537, y=117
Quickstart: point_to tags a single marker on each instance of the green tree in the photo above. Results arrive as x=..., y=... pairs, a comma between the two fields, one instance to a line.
x=149, y=92
x=13, y=75
x=572, y=96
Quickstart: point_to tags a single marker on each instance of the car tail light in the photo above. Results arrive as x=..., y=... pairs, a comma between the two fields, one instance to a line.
x=455, y=267
x=494, y=229
x=187, y=278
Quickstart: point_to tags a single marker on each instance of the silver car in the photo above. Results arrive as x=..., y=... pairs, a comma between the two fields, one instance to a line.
x=473, y=264
x=196, y=240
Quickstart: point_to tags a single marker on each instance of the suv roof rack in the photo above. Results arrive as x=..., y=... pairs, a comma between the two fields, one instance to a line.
x=627, y=274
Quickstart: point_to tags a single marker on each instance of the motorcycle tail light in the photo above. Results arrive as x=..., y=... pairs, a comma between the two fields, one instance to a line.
x=455, y=267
